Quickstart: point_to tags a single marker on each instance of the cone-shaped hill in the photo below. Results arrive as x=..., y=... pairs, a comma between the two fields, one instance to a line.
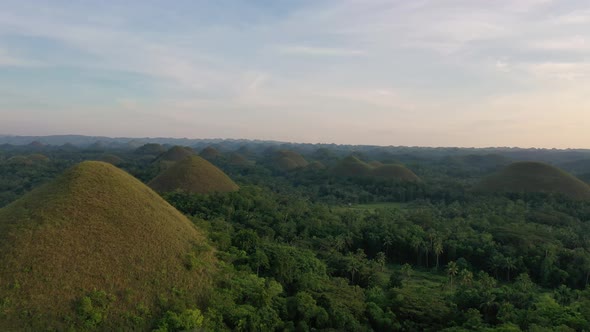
x=111, y=159
x=176, y=153
x=395, y=172
x=95, y=230
x=535, y=177
x=287, y=160
x=210, y=153
x=150, y=149
x=195, y=175
x=237, y=159
x=352, y=166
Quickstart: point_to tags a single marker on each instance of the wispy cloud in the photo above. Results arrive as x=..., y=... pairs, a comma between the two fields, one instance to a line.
x=319, y=51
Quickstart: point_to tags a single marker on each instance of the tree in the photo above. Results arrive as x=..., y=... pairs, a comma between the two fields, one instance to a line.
x=438, y=250
x=380, y=259
x=407, y=270
x=452, y=270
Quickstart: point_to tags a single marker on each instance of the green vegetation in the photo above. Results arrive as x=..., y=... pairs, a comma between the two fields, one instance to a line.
x=195, y=175
x=96, y=230
x=111, y=159
x=310, y=249
x=530, y=177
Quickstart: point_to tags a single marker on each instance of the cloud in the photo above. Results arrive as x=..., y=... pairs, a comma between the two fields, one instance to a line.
x=573, y=44
x=320, y=51
x=7, y=60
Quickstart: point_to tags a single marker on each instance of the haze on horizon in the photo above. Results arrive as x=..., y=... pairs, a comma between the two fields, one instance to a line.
x=428, y=72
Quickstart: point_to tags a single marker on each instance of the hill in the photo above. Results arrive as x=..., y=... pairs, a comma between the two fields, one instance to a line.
x=176, y=153
x=238, y=160
x=210, y=153
x=535, y=177
x=352, y=166
x=316, y=165
x=193, y=174
x=150, y=149
x=395, y=172
x=111, y=159
x=287, y=160
x=96, y=243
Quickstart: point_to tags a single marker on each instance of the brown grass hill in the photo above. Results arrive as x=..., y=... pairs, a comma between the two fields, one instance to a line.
x=31, y=159
x=394, y=172
x=153, y=149
x=210, y=153
x=176, y=153
x=287, y=160
x=375, y=163
x=96, y=249
x=173, y=155
x=237, y=159
x=37, y=157
x=316, y=166
x=36, y=144
x=111, y=159
x=530, y=177
x=351, y=166
x=195, y=175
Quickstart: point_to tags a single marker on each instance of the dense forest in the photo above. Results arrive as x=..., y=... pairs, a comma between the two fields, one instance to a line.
x=305, y=246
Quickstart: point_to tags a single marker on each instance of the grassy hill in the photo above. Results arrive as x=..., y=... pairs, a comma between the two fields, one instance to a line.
x=210, y=153
x=111, y=159
x=176, y=153
x=193, y=174
x=535, y=177
x=316, y=165
x=396, y=172
x=150, y=149
x=96, y=249
x=352, y=166
x=287, y=160
x=238, y=160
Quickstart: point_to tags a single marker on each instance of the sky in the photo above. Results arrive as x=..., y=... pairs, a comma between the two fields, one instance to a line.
x=467, y=73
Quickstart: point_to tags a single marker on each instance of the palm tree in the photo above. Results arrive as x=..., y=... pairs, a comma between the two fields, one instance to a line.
x=438, y=250
x=381, y=259
x=452, y=270
x=466, y=277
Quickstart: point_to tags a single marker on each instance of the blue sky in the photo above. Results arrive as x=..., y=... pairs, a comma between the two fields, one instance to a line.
x=421, y=72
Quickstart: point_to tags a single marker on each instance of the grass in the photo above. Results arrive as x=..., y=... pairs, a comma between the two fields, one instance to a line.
x=193, y=174
x=535, y=177
x=95, y=228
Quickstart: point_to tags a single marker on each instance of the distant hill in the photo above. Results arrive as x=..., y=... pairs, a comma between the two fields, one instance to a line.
x=176, y=153
x=210, y=153
x=238, y=160
x=352, y=166
x=193, y=174
x=395, y=172
x=535, y=177
x=150, y=149
x=316, y=165
x=111, y=159
x=92, y=246
x=287, y=160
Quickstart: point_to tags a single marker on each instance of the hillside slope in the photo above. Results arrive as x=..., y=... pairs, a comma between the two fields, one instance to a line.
x=95, y=229
x=535, y=177
x=193, y=174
